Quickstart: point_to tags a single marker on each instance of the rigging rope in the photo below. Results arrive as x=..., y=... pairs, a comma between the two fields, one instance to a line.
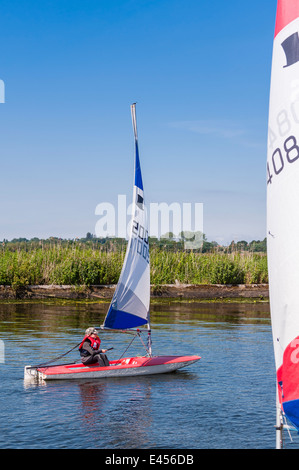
x=137, y=334
x=127, y=348
x=55, y=358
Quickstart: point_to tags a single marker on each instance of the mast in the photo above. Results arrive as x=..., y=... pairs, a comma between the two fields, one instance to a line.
x=279, y=425
x=283, y=211
x=139, y=183
x=149, y=339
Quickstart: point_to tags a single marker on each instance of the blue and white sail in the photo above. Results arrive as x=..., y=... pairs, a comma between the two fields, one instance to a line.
x=129, y=307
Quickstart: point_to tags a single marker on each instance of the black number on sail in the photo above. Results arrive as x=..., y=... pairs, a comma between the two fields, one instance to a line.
x=290, y=155
x=278, y=163
x=269, y=180
x=291, y=146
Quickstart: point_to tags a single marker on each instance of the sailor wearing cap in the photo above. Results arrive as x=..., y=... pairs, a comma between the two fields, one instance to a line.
x=90, y=349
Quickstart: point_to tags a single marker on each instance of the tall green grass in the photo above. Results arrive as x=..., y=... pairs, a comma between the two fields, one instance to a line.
x=80, y=265
x=208, y=268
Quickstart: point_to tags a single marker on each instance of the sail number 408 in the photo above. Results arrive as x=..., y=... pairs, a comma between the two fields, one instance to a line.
x=289, y=154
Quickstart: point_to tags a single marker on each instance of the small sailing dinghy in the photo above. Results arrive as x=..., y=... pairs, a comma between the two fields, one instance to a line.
x=283, y=212
x=129, y=307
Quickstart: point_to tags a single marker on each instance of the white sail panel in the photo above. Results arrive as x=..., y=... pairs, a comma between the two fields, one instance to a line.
x=283, y=203
x=130, y=303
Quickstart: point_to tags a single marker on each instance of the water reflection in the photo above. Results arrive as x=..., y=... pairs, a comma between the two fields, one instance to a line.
x=176, y=312
x=93, y=396
x=69, y=316
x=130, y=417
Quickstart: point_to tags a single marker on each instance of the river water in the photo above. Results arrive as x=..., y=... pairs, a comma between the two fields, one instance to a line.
x=224, y=401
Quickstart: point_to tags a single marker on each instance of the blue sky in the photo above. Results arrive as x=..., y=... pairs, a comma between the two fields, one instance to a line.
x=200, y=73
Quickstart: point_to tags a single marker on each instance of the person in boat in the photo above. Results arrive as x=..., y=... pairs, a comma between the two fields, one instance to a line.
x=90, y=349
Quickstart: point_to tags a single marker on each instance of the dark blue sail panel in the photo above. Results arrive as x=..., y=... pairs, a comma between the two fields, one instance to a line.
x=138, y=177
x=291, y=410
x=119, y=320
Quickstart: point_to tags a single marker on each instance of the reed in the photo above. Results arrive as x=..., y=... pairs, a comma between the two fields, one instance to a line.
x=208, y=268
x=81, y=265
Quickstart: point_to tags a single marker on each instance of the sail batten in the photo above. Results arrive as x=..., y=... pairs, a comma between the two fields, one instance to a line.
x=129, y=307
x=283, y=205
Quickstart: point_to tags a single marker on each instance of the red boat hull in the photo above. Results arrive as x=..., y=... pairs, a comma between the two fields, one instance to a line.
x=130, y=366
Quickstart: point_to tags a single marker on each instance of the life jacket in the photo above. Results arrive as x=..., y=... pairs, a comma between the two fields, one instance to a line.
x=94, y=342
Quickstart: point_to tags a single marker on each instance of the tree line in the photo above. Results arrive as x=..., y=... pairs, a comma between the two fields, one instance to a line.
x=167, y=242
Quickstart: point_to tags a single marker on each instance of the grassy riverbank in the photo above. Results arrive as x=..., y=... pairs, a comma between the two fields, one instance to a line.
x=81, y=265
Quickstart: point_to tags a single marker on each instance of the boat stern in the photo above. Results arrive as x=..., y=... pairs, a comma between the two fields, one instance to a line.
x=31, y=374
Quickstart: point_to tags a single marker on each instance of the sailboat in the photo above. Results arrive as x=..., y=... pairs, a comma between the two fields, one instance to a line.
x=283, y=213
x=129, y=310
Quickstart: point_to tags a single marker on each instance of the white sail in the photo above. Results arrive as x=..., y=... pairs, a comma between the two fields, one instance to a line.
x=283, y=205
x=130, y=303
